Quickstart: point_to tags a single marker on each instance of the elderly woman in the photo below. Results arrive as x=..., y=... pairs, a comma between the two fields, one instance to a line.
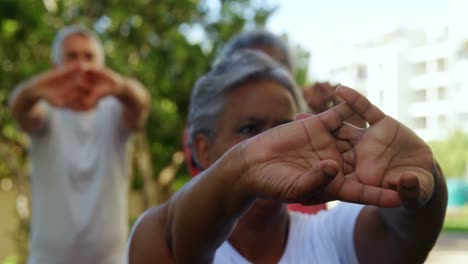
x=277, y=49
x=257, y=158
x=260, y=40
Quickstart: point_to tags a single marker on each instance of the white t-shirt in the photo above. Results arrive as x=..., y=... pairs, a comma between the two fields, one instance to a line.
x=79, y=186
x=326, y=237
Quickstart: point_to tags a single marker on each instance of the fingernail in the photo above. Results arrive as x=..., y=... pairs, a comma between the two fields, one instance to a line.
x=302, y=116
x=330, y=170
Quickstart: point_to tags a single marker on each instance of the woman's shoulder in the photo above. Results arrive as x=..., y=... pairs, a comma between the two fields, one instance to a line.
x=147, y=242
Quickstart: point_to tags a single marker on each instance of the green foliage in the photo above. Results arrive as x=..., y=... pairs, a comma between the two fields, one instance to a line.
x=301, y=59
x=166, y=44
x=457, y=220
x=11, y=260
x=452, y=154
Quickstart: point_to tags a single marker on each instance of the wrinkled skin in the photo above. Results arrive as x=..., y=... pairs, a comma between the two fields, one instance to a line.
x=384, y=165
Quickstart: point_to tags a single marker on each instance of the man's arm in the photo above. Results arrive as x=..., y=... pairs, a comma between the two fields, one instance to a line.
x=57, y=86
x=25, y=108
x=136, y=101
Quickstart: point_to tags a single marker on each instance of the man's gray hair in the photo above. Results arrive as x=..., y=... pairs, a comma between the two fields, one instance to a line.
x=255, y=38
x=209, y=92
x=67, y=31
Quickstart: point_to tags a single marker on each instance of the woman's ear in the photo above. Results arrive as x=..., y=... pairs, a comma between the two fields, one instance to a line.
x=202, y=147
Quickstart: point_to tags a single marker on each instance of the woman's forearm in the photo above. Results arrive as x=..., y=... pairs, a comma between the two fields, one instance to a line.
x=203, y=214
x=416, y=230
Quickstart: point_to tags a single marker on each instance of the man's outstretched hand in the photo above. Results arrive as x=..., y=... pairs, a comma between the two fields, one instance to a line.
x=319, y=96
x=78, y=87
x=98, y=82
x=60, y=87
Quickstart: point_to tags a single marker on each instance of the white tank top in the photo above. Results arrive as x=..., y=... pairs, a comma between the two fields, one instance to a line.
x=326, y=237
x=79, y=186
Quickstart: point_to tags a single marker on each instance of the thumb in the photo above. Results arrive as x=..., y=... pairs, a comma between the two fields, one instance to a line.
x=310, y=188
x=409, y=190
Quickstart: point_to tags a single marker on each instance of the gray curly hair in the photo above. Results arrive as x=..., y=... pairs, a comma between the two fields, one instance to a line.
x=256, y=39
x=208, y=95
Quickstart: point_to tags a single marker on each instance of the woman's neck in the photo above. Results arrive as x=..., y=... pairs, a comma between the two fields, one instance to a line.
x=261, y=234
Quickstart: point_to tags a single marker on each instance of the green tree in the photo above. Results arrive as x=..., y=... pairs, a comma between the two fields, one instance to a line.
x=301, y=59
x=166, y=44
x=452, y=154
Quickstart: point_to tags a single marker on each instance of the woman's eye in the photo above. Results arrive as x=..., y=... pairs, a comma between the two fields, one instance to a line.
x=250, y=130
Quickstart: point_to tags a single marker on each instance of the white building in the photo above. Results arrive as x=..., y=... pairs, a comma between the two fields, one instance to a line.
x=418, y=77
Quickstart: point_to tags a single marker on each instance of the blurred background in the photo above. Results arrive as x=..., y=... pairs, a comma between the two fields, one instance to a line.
x=409, y=57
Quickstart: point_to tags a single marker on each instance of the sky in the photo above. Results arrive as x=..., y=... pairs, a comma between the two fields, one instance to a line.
x=323, y=26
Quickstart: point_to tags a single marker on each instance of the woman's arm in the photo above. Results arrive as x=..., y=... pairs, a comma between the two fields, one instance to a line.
x=389, y=154
x=277, y=164
x=401, y=235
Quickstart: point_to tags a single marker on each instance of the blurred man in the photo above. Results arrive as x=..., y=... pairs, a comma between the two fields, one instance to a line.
x=79, y=117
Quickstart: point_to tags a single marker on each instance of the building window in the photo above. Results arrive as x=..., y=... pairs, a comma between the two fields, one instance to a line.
x=462, y=53
x=381, y=97
x=462, y=117
x=420, y=123
x=441, y=93
x=441, y=65
x=442, y=120
x=419, y=68
x=420, y=95
x=361, y=72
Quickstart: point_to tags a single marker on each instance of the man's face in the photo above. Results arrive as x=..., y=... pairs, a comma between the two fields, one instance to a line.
x=80, y=49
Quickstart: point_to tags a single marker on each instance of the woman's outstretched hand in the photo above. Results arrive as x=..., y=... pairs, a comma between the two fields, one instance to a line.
x=387, y=154
x=320, y=158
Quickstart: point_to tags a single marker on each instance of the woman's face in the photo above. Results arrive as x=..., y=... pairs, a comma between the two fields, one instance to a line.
x=250, y=109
